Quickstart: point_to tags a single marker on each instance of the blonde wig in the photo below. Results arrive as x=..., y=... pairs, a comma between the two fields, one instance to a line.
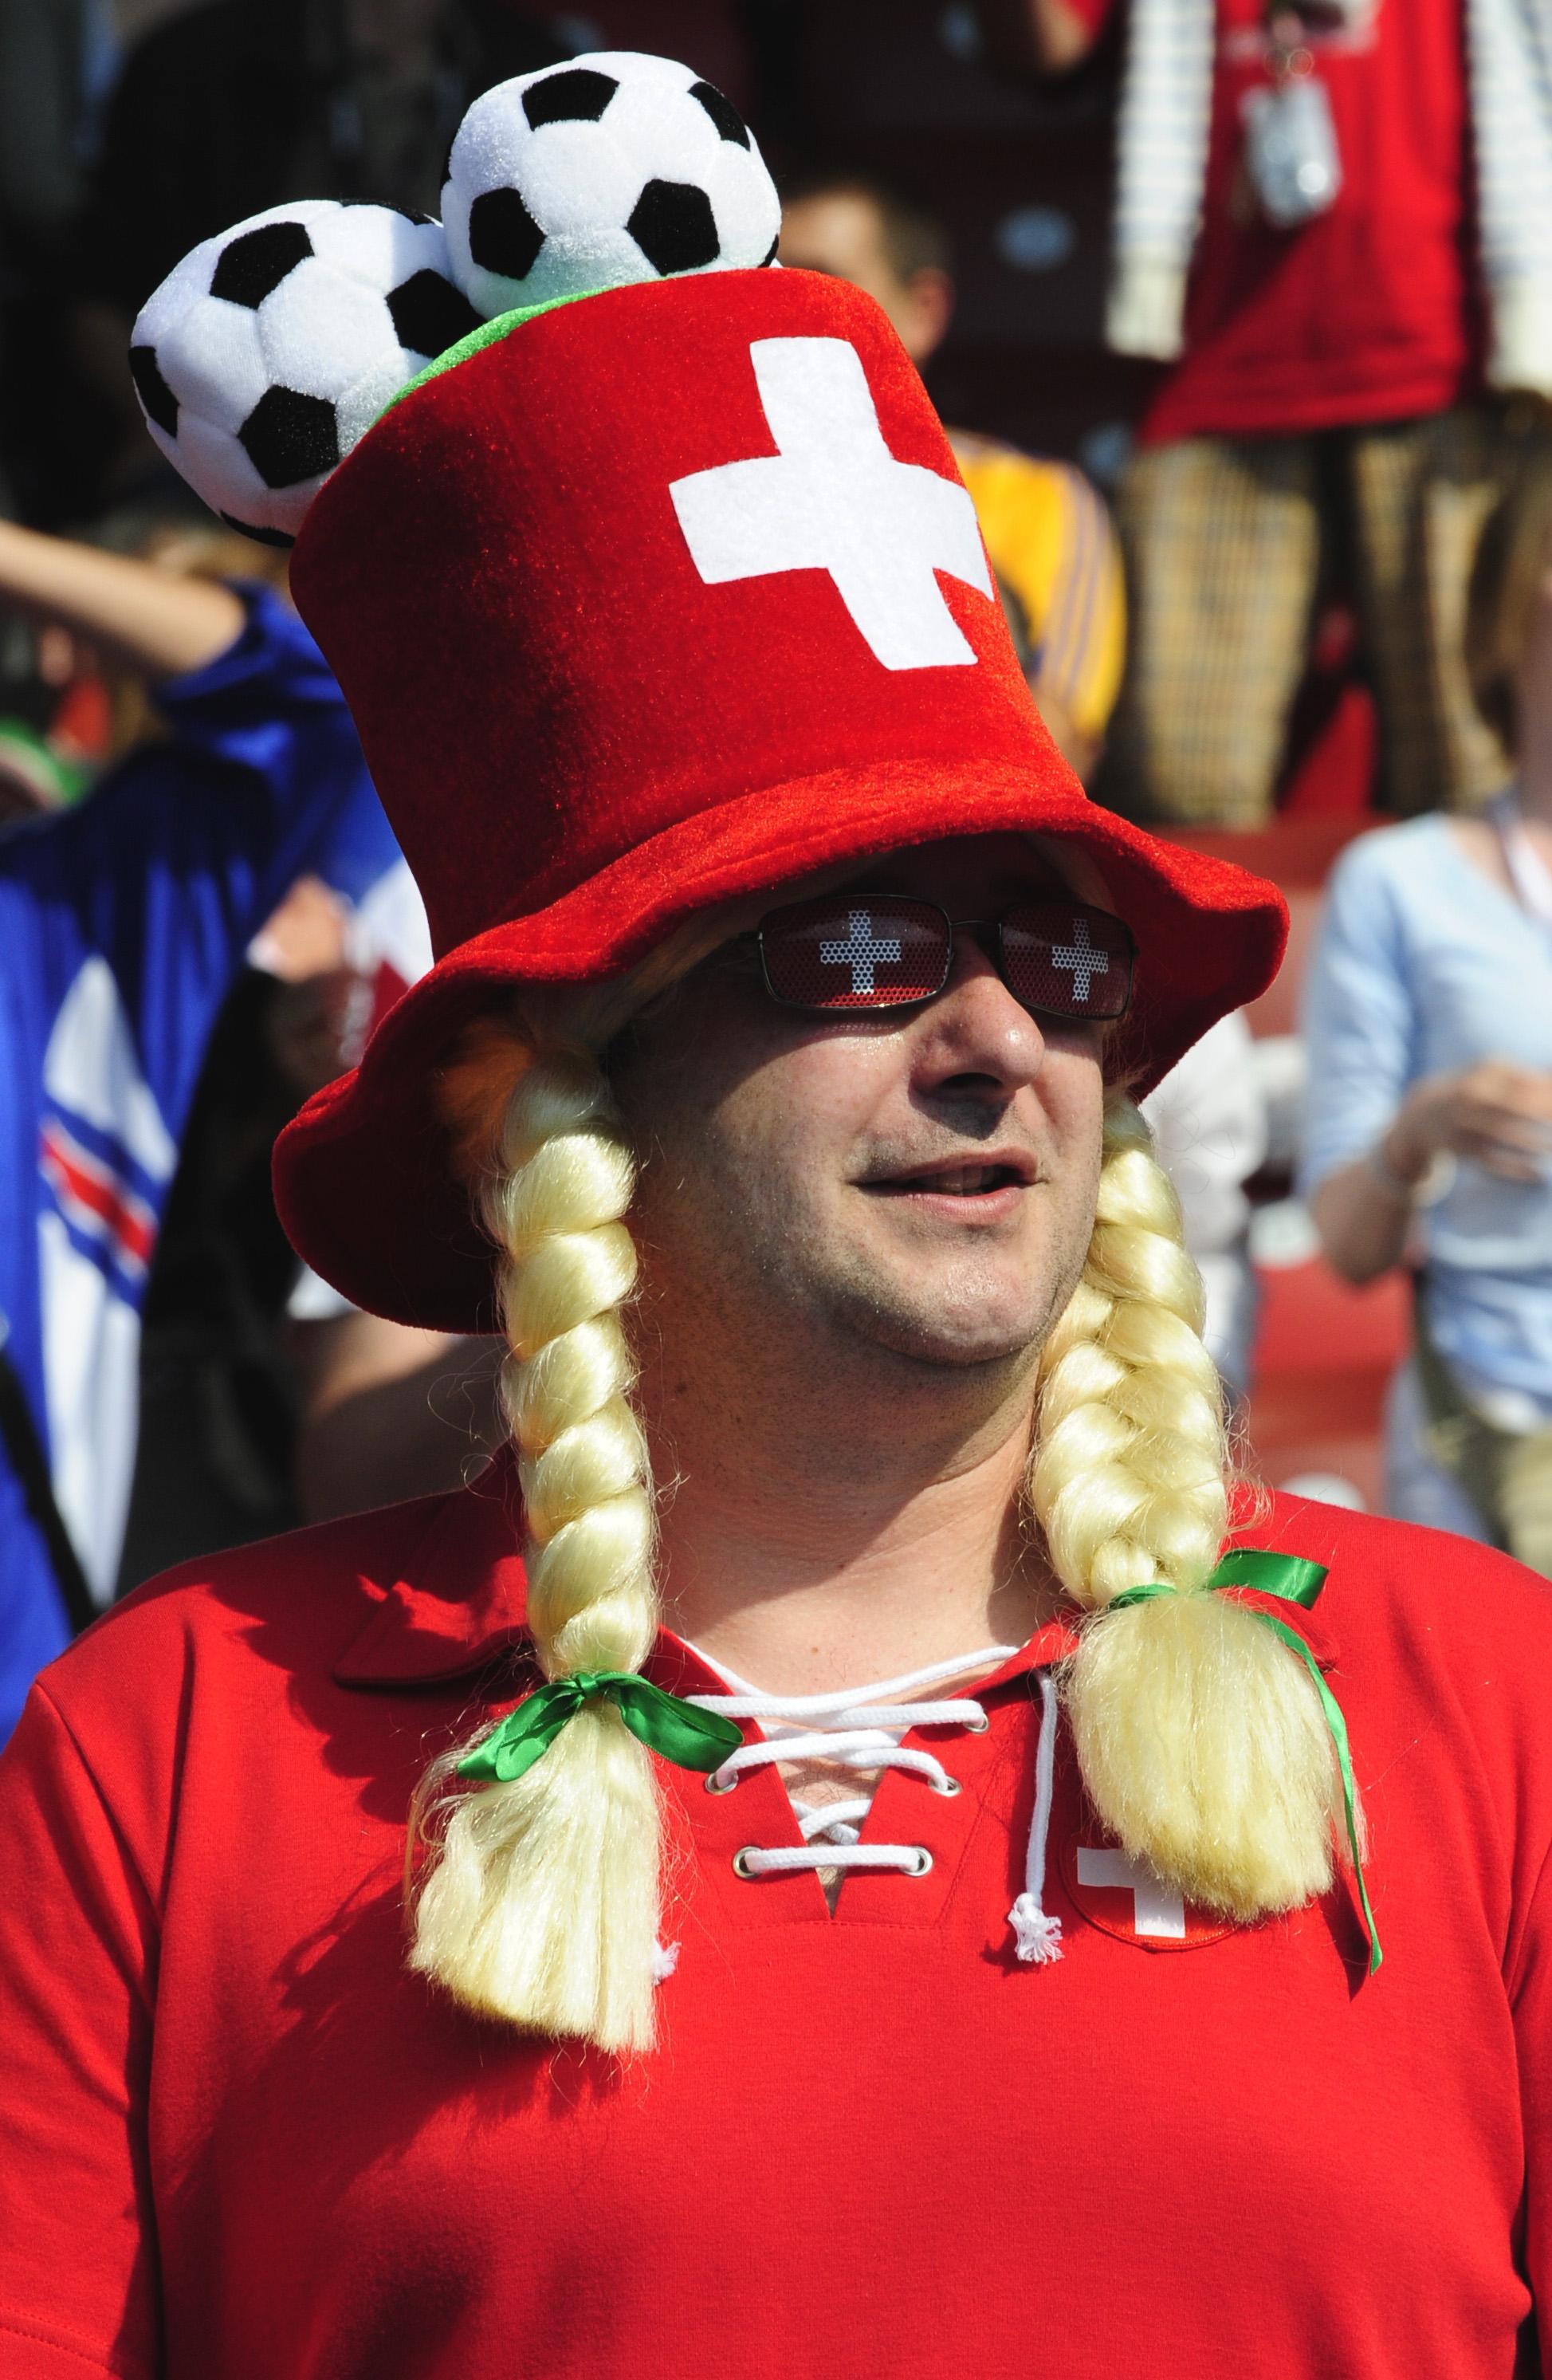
x=542, y=1903
x=1199, y=1735
x=538, y=1901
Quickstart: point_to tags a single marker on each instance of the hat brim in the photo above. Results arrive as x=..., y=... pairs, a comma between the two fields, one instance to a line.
x=365, y=1181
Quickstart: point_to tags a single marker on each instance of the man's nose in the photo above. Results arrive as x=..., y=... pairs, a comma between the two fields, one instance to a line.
x=975, y=1029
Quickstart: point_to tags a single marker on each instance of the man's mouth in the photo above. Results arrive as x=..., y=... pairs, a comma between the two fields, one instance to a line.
x=955, y=1180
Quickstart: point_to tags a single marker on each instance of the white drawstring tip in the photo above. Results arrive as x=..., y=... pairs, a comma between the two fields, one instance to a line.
x=1036, y=1937
x=665, y=1957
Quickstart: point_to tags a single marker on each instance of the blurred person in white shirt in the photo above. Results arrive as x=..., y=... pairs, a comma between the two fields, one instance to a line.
x=1209, y=1124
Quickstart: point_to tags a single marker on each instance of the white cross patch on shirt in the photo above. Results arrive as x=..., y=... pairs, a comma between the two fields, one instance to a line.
x=1122, y=1898
x=861, y=949
x=1155, y=1909
x=834, y=498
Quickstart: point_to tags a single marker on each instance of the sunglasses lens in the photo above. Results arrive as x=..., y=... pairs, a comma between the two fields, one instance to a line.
x=849, y=952
x=1068, y=960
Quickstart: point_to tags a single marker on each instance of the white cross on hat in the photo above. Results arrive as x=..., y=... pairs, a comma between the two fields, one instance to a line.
x=834, y=498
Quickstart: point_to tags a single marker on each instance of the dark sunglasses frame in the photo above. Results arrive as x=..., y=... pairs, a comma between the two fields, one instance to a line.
x=987, y=932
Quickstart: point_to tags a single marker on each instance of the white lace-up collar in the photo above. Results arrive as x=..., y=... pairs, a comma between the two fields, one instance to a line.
x=861, y=1727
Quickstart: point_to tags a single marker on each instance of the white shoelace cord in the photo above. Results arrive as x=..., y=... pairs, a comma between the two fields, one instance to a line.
x=1037, y=1936
x=860, y=1728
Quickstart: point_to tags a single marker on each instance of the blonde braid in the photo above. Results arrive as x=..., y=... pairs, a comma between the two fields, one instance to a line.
x=540, y=1901
x=1199, y=1736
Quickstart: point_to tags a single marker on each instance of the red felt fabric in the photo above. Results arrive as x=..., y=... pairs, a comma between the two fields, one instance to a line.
x=240, y=2140
x=542, y=679
x=580, y=743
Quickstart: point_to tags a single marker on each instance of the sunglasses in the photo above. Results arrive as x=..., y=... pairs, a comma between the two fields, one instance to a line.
x=868, y=951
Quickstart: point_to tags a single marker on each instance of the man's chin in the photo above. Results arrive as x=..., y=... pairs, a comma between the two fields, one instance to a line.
x=961, y=1352
x=940, y=1335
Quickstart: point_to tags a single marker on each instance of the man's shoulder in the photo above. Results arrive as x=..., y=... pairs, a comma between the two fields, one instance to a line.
x=1357, y=1544
x=1415, y=1605
x=289, y=1606
x=277, y=1677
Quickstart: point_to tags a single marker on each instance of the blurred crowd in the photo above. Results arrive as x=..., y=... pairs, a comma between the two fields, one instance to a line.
x=1239, y=316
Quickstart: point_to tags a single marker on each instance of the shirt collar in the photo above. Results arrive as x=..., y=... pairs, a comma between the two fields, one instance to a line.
x=457, y=1597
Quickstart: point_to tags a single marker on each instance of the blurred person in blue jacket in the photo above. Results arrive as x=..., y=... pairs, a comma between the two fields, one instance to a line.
x=123, y=923
x=1428, y=1131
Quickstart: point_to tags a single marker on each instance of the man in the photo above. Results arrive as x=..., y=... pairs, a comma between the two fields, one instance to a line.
x=126, y=922
x=1332, y=224
x=772, y=1078
x=1047, y=533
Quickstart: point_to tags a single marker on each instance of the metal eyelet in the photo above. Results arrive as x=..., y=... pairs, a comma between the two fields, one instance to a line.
x=977, y=1725
x=924, y=1862
x=726, y=1786
x=741, y=1867
x=949, y=1788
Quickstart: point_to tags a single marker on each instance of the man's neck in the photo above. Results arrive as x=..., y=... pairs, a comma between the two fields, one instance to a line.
x=810, y=1555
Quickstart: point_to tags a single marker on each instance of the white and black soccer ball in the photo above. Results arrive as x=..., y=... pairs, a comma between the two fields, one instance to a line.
x=268, y=352
x=614, y=168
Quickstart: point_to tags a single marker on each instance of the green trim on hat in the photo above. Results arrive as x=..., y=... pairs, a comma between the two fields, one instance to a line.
x=500, y=326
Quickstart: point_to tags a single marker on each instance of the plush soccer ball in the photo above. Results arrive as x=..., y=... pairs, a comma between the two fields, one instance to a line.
x=614, y=168
x=265, y=355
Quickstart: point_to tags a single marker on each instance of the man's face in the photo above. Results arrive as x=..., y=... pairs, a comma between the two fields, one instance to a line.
x=919, y=1183
x=839, y=232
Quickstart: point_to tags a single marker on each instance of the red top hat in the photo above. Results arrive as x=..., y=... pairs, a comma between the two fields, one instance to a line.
x=666, y=596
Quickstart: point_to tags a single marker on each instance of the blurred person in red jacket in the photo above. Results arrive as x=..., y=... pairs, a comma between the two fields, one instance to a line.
x=1332, y=223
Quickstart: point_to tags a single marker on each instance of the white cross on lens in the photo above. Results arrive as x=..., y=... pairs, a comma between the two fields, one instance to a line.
x=1156, y=1909
x=1083, y=957
x=832, y=497
x=862, y=951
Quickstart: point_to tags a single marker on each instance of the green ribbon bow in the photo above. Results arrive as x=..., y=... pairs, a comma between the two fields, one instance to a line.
x=1290, y=1579
x=691, y=1737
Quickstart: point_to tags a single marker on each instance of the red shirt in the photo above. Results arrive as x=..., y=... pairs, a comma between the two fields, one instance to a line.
x=239, y=2140
x=1369, y=311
